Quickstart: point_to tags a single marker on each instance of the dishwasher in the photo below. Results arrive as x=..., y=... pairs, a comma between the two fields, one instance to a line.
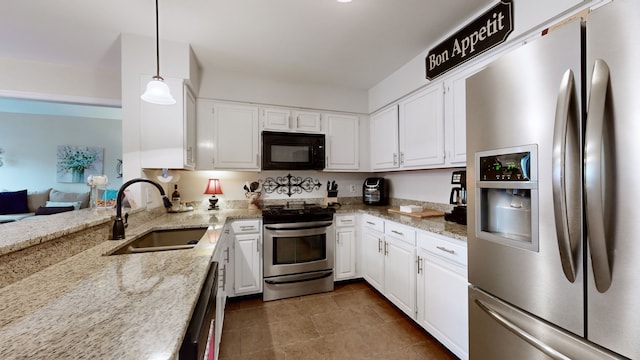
x=196, y=338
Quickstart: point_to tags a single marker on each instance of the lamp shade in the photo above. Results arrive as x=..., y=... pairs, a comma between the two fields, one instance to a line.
x=158, y=93
x=213, y=187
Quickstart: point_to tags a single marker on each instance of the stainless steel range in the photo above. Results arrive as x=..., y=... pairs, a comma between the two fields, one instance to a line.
x=298, y=250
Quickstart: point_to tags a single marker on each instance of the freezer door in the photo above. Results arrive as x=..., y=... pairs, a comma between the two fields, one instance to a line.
x=612, y=191
x=511, y=104
x=500, y=331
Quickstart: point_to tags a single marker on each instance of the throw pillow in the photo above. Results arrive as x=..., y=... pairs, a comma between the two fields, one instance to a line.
x=75, y=204
x=53, y=210
x=36, y=199
x=57, y=195
x=13, y=202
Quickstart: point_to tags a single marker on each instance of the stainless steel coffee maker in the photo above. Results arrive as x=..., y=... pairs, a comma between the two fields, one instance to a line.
x=458, y=197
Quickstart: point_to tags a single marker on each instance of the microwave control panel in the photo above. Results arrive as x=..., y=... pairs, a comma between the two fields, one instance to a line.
x=505, y=167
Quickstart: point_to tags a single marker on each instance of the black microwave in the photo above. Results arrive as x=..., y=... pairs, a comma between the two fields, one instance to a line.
x=292, y=151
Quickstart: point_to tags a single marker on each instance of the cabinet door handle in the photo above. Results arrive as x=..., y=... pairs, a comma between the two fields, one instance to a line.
x=258, y=247
x=397, y=232
x=224, y=277
x=401, y=158
x=419, y=264
x=379, y=245
x=442, y=248
x=227, y=258
x=395, y=159
x=386, y=248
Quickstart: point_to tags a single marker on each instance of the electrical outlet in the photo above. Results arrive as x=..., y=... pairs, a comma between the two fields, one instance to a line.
x=352, y=188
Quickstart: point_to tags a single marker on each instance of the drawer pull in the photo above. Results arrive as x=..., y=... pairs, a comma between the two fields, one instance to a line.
x=247, y=227
x=370, y=223
x=445, y=249
x=397, y=232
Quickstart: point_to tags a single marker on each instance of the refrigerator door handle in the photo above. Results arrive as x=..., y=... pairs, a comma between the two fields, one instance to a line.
x=592, y=176
x=537, y=343
x=566, y=110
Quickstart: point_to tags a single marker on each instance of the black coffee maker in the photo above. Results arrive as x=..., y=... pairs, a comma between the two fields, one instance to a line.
x=458, y=197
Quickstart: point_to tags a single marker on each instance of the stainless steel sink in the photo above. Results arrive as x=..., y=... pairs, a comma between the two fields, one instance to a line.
x=161, y=240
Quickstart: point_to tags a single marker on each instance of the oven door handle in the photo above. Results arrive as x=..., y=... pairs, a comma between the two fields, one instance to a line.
x=301, y=278
x=299, y=226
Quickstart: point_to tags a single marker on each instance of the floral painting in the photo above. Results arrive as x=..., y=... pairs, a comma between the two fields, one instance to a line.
x=75, y=163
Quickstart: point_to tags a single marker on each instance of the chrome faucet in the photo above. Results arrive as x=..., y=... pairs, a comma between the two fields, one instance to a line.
x=118, y=225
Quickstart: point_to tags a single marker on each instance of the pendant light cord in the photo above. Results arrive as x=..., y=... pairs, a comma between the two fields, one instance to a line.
x=157, y=46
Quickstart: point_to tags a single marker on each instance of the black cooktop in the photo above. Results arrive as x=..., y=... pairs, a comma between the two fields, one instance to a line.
x=296, y=212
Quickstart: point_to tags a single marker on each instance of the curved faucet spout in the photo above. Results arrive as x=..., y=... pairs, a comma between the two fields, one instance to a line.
x=118, y=225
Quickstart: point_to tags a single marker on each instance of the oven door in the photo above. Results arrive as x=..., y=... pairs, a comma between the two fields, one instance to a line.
x=293, y=248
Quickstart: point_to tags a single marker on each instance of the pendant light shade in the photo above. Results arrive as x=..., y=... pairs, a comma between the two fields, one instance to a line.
x=157, y=91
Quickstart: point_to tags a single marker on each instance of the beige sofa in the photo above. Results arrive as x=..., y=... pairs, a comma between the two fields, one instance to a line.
x=38, y=203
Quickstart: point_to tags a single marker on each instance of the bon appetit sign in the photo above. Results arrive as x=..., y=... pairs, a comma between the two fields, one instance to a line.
x=490, y=29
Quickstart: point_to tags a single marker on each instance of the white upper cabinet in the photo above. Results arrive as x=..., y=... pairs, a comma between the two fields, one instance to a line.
x=167, y=132
x=228, y=136
x=384, y=139
x=422, y=129
x=342, y=142
x=409, y=135
x=285, y=119
x=455, y=104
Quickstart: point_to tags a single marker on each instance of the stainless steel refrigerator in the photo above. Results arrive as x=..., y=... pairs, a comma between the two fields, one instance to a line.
x=553, y=148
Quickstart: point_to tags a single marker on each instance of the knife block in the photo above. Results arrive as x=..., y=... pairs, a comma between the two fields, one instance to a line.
x=331, y=197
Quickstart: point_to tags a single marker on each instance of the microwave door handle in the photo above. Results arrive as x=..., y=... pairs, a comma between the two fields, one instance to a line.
x=592, y=176
x=566, y=110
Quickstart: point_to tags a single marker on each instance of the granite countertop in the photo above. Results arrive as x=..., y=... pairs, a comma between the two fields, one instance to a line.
x=436, y=224
x=134, y=306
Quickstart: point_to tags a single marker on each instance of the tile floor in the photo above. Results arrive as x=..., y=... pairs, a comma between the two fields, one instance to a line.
x=352, y=322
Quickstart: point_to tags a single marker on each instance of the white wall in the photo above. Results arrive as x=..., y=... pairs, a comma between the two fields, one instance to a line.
x=30, y=142
x=98, y=86
x=192, y=184
x=528, y=15
x=249, y=88
x=424, y=185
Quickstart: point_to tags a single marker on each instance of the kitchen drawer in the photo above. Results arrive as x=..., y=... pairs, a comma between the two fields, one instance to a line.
x=345, y=220
x=400, y=232
x=443, y=247
x=246, y=226
x=373, y=223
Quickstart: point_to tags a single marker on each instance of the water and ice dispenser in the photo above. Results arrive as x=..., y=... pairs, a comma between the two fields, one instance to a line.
x=507, y=196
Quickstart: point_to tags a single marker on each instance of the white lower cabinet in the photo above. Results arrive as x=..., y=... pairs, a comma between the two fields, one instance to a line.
x=442, y=291
x=373, y=251
x=345, y=249
x=399, y=267
x=223, y=255
x=247, y=257
x=388, y=261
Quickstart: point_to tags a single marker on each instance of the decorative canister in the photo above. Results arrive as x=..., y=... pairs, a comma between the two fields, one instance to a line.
x=253, y=198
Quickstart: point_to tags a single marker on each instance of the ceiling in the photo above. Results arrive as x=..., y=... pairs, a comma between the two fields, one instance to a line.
x=353, y=45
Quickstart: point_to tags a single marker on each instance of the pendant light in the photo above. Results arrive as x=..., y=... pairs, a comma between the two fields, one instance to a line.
x=157, y=91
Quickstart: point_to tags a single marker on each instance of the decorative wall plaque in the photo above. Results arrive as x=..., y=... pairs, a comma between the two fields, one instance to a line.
x=290, y=185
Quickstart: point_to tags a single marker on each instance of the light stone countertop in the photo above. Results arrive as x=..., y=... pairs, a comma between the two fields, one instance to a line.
x=436, y=224
x=92, y=306
x=134, y=306
x=34, y=230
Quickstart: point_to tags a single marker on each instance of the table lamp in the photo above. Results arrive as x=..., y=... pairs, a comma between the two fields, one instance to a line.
x=213, y=189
